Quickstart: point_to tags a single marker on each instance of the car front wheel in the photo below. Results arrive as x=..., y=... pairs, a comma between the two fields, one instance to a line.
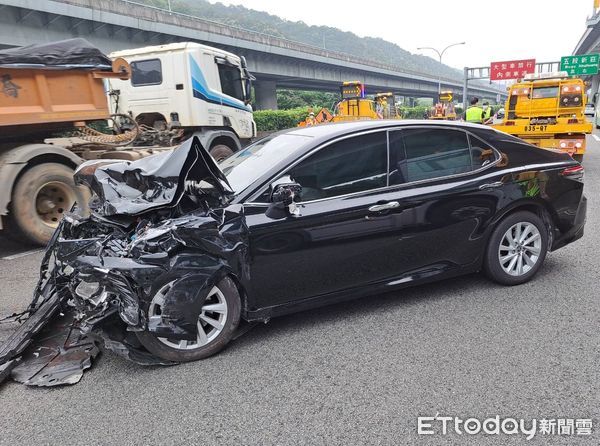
x=516, y=249
x=216, y=324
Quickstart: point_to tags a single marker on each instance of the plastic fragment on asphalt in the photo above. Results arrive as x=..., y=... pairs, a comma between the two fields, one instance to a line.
x=7, y=367
x=22, y=336
x=59, y=355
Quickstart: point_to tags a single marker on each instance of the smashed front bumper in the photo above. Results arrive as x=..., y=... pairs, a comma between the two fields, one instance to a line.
x=97, y=278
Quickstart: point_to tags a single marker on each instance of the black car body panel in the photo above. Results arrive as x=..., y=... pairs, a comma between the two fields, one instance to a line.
x=178, y=217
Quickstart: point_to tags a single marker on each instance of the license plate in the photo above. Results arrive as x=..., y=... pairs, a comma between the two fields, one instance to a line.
x=536, y=128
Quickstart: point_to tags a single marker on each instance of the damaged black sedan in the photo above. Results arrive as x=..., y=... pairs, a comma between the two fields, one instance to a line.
x=179, y=252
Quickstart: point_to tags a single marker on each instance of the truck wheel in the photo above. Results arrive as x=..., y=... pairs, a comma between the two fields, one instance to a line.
x=40, y=198
x=220, y=152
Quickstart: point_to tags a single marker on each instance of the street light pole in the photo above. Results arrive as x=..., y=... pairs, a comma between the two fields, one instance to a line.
x=440, y=55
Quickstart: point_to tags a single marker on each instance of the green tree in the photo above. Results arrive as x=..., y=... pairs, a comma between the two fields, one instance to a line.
x=287, y=99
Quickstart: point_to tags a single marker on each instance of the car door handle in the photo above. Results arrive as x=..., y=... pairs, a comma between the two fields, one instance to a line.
x=384, y=207
x=491, y=185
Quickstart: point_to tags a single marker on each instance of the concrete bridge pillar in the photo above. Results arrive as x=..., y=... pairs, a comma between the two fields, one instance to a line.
x=266, y=97
x=594, y=89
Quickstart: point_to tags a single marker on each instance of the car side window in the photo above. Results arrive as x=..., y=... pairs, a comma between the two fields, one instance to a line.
x=428, y=153
x=482, y=153
x=354, y=164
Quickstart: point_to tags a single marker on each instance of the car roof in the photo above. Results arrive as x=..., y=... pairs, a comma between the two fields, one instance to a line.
x=342, y=128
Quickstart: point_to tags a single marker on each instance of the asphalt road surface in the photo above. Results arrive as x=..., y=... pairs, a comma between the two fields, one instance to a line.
x=351, y=374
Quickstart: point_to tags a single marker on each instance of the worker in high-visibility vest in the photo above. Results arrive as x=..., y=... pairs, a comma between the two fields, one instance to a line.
x=474, y=113
x=487, y=113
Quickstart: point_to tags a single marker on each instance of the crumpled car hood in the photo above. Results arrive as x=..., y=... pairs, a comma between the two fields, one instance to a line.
x=157, y=181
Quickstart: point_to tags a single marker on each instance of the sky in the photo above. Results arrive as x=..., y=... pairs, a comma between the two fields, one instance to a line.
x=493, y=30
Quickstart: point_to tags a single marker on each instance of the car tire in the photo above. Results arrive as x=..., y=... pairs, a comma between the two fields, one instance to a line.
x=166, y=349
x=500, y=264
x=40, y=197
x=221, y=152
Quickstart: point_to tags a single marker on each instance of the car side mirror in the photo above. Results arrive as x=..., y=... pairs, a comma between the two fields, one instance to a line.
x=284, y=195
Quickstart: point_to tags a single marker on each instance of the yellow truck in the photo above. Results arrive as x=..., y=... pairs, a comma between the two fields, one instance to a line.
x=354, y=105
x=444, y=108
x=547, y=110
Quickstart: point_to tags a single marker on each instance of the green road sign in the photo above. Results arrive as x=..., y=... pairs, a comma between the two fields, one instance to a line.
x=580, y=64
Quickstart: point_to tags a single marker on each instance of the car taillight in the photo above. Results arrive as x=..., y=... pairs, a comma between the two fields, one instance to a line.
x=574, y=173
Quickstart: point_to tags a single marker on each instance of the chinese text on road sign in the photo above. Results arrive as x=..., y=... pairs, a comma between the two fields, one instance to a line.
x=580, y=64
x=511, y=69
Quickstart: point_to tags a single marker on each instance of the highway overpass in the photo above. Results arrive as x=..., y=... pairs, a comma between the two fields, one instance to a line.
x=590, y=43
x=276, y=62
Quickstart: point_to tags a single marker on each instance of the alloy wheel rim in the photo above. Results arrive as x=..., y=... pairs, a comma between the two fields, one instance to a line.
x=520, y=248
x=211, y=320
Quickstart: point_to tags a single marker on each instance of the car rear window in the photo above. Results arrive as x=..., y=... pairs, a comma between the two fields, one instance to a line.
x=426, y=153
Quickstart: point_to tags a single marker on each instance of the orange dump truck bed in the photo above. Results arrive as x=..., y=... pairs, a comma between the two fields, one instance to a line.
x=35, y=96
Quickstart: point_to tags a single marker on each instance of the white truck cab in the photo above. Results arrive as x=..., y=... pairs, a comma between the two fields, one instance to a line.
x=201, y=89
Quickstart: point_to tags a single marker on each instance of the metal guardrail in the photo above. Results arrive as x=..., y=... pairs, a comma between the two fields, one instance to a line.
x=155, y=14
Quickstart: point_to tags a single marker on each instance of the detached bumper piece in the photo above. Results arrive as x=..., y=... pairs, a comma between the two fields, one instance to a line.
x=59, y=355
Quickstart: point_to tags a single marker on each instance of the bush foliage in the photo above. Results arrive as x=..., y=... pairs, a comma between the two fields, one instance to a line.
x=272, y=120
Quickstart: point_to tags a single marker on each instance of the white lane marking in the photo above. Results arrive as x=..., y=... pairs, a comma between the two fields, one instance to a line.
x=596, y=137
x=21, y=254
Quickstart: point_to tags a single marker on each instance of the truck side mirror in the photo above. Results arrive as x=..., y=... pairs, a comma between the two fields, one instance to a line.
x=285, y=193
x=247, y=90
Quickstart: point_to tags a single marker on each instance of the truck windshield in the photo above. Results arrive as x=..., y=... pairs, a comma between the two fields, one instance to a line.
x=545, y=92
x=251, y=163
x=231, y=81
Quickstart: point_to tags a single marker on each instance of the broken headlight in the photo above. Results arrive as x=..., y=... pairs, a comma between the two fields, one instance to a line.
x=86, y=290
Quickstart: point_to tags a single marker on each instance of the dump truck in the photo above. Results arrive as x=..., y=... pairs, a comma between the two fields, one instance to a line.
x=547, y=110
x=67, y=102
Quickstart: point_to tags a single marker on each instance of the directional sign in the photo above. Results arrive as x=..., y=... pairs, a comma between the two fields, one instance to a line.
x=446, y=96
x=580, y=64
x=353, y=90
x=511, y=69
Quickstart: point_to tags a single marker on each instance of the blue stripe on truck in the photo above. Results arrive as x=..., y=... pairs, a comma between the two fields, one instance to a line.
x=201, y=90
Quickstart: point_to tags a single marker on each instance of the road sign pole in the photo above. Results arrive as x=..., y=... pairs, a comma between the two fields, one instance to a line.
x=465, y=87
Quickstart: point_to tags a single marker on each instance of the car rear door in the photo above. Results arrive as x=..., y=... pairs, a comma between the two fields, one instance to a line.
x=447, y=192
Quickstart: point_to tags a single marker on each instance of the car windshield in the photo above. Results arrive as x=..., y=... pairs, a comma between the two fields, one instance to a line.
x=245, y=166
